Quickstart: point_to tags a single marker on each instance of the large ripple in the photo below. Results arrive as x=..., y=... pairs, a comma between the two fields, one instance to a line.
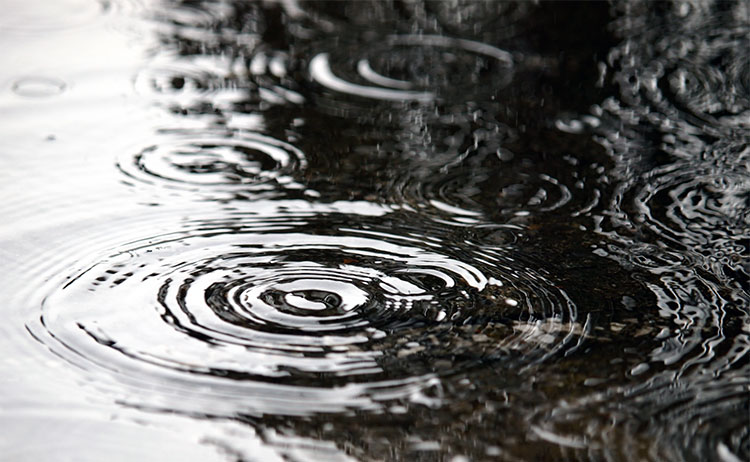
x=296, y=316
x=414, y=68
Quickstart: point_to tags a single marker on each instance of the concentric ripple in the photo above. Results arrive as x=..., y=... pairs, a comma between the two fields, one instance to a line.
x=690, y=216
x=415, y=68
x=690, y=203
x=244, y=316
x=216, y=164
x=189, y=80
x=696, y=419
x=689, y=67
x=498, y=183
x=696, y=207
x=719, y=90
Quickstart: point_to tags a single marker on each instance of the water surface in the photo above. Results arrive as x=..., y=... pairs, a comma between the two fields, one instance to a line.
x=364, y=231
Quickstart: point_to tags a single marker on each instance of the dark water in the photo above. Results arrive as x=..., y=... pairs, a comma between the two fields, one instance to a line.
x=375, y=231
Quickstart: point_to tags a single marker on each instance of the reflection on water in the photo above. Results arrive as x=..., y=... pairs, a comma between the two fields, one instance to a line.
x=216, y=164
x=426, y=66
x=451, y=231
x=305, y=313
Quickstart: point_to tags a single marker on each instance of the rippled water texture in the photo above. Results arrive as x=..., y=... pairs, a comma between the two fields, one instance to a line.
x=367, y=231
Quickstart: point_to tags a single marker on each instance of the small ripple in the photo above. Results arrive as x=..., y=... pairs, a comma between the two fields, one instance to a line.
x=189, y=80
x=242, y=315
x=684, y=222
x=211, y=84
x=721, y=89
x=464, y=166
x=38, y=86
x=202, y=22
x=220, y=52
x=679, y=211
x=415, y=68
x=216, y=164
x=697, y=205
x=699, y=418
x=687, y=69
x=500, y=185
